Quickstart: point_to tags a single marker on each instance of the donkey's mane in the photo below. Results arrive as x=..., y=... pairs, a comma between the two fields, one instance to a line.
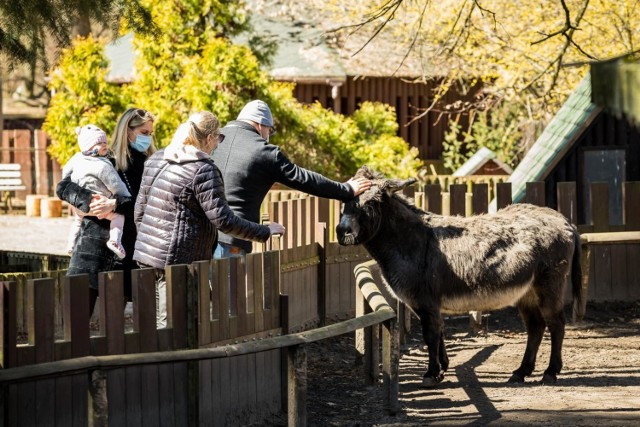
x=409, y=205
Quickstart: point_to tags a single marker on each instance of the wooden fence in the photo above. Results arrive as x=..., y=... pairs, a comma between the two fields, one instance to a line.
x=307, y=282
x=229, y=391
x=316, y=272
x=145, y=377
x=614, y=270
x=40, y=173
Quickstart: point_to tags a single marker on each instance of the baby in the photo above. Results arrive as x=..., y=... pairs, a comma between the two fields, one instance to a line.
x=90, y=168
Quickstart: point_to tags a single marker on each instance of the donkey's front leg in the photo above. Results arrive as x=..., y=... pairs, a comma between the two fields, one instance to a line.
x=432, y=334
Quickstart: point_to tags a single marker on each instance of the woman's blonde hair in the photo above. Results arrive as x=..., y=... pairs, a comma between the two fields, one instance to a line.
x=130, y=119
x=196, y=129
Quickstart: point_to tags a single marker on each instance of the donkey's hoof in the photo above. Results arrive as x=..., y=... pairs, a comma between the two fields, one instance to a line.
x=549, y=379
x=429, y=382
x=516, y=379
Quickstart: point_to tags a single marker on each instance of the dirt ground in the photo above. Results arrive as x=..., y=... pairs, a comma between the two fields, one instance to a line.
x=599, y=385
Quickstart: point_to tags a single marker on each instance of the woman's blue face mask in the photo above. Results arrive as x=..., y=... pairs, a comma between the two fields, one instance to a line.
x=142, y=143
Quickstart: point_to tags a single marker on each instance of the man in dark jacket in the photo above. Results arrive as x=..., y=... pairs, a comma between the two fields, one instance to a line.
x=250, y=165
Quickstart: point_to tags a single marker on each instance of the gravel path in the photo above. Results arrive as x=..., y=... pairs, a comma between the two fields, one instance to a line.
x=34, y=234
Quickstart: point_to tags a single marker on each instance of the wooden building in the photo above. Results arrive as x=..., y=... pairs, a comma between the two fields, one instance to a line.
x=342, y=75
x=586, y=144
x=483, y=162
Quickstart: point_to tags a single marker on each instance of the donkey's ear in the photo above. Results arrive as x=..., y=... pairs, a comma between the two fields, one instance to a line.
x=365, y=172
x=394, y=185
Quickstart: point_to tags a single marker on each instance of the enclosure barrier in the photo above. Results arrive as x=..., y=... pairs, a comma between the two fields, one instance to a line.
x=372, y=295
x=587, y=240
x=97, y=367
x=311, y=285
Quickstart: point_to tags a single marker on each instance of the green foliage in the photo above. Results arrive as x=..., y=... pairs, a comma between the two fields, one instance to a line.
x=379, y=146
x=497, y=129
x=26, y=24
x=188, y=48
x=337, y=145
x=531, y=54
x=189, y=66
x=82, y=96
x=454, y=152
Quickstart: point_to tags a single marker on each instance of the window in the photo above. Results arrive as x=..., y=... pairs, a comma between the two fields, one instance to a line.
x=605, y=166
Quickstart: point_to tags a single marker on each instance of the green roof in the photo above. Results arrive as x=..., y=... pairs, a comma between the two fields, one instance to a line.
x=302, y=53
x=559, y=135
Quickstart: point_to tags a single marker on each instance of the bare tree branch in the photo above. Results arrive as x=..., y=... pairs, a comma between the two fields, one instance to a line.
x=459, y=36
x=568, y=31
x=567, y=25
x=387, y=11
x=415, y=37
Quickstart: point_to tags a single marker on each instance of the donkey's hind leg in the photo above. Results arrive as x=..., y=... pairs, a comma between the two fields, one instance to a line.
x=551, y=304
x=556, y=321
x=535, y=324
x=556, y=329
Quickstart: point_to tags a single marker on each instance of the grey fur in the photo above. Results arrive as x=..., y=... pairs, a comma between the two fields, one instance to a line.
x=522, y=255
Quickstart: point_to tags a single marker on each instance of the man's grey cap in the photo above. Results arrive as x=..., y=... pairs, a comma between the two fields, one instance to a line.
x=257, y=111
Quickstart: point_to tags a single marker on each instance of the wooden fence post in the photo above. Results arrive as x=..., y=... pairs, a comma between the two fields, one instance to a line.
x=458, y=199
x=631, y=207
x=535, y=193
x=98, y=405
x=322, y=238
x=568, y=201
x=184, y=282
x=8, y=324
x=390, y=365
x=503, y=194
x=367, y=342
x=433, y=198
x=297, y=385
x=284, y=356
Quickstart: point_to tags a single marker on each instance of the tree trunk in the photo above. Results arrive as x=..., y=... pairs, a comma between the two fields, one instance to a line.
x=82, y=26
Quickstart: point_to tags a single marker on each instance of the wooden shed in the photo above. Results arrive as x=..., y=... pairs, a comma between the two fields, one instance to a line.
x=483, y=162
x=340, y=75
x=585, y=144
x=586, y=164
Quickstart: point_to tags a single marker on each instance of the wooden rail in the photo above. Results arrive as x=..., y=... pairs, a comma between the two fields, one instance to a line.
x=382, y=312
x=374, y=296
x=88, y=363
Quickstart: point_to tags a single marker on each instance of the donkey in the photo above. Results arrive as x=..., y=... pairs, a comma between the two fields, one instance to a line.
x=520, y=255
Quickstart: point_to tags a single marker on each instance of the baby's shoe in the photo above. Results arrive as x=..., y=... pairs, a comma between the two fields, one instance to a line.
x=116, y=248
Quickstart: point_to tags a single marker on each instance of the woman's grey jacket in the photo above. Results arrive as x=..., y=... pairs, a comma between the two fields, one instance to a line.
x=181, y=206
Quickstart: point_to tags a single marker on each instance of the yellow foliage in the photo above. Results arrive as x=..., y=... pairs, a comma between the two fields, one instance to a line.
x=518, y=48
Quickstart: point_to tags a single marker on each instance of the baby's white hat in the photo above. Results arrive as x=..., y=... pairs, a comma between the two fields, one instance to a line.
x=90, y=135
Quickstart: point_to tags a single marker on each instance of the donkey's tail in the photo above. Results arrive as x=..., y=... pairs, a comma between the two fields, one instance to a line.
x=576, y=276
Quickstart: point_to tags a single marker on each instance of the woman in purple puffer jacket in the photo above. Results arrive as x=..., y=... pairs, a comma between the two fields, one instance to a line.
x=181, y=204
